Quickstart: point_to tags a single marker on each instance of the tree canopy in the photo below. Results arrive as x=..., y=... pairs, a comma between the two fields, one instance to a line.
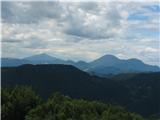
x=22, y=103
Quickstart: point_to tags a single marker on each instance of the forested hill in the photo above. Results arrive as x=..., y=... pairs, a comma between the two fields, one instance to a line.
x=22, y=103
x=144, y=89
x=63, y=78
x=138, y=92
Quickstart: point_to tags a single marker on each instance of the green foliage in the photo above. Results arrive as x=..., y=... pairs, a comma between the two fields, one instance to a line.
x=21, y=103
x=17, y=102
x=155, y=117
x=60, y=107
x=138, y=92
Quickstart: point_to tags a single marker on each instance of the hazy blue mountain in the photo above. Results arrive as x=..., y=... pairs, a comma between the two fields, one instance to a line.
x=107, y=64
x=103, y=71
x=44, y=59
x=110, y=64
x=106, y=60
x=81, y=65
x=13, y=62
x=35, y=59
x=40, y=57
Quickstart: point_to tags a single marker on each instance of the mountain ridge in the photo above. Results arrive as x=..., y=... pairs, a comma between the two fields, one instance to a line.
x=107, y=64
x=39, y=57
x=137, y=92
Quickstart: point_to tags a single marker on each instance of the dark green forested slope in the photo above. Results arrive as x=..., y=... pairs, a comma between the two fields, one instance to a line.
x=66, y=79
x=144, y=90
x=21, y=103
x=137, y=92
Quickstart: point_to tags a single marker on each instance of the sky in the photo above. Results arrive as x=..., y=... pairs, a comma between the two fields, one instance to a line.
x=81, y=30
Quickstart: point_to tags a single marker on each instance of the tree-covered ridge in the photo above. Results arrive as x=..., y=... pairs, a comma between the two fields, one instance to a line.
x=138, y=93
x=16, y=102
x=22, y=103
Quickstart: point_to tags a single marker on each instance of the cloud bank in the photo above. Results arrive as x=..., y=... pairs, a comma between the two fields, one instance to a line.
x=81, y=30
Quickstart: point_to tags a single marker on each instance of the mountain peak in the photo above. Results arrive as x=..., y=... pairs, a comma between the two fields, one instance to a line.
x=106, y=60
x=109, y=56
x=42, y=56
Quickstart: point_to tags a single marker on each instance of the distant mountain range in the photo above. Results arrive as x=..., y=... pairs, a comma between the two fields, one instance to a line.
x=107, y=64
x=110, y=64
x=138, y=92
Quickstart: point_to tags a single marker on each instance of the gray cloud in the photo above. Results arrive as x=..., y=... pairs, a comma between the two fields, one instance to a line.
x=11, y=41
x=78, y=18
x=35, y=43
x=29, y=12
x=82, y=31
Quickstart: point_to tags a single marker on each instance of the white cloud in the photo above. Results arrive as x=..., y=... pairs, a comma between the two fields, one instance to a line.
x=149, y=49
x=79, y=30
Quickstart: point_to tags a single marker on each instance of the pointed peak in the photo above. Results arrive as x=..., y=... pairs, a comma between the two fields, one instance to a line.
x=109, y=56
x=42, y=56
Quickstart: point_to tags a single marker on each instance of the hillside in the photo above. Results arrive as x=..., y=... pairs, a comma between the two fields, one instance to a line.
x=64, y=78
x=138, y=93
x=144, y=89
x=22, y=103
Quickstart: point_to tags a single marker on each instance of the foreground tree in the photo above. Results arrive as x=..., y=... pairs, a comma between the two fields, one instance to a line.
x=60, y=107
x=17, y=102
x=21, y=103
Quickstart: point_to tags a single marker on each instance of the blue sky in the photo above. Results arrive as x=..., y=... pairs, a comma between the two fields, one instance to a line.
x=82, y=30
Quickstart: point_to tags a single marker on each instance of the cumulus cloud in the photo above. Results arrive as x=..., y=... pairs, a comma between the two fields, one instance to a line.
x=29, y=12
x=81, y=30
